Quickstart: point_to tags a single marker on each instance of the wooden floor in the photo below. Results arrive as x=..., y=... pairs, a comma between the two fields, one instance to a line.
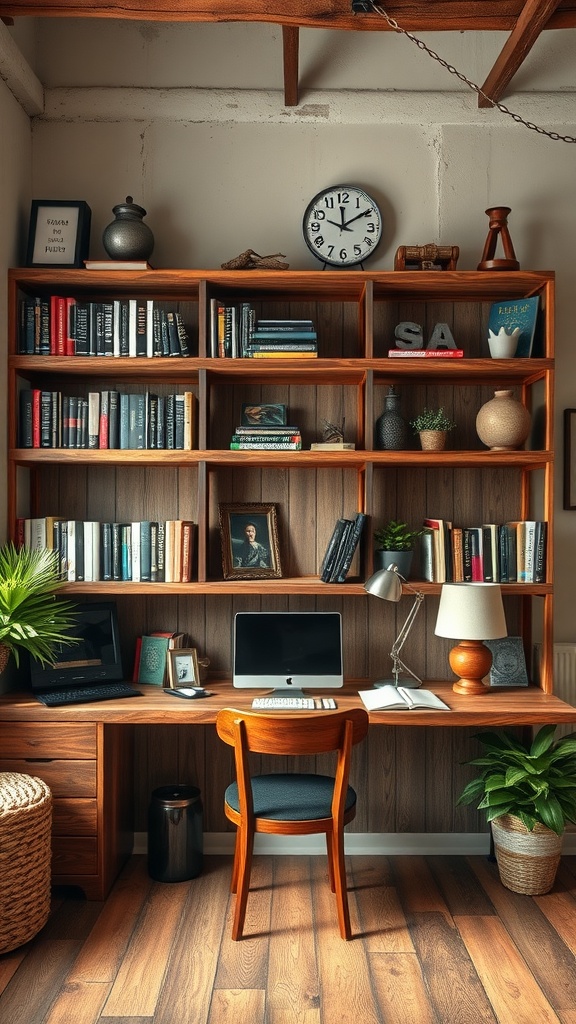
x=437, y=939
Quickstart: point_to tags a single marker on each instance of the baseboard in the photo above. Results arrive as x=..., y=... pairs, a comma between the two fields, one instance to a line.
x=463, y=844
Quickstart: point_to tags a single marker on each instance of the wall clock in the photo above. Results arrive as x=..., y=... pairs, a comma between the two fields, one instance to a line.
x=342, y=225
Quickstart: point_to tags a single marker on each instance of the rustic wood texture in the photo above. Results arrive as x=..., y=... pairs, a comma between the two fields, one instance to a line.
x=437, y=940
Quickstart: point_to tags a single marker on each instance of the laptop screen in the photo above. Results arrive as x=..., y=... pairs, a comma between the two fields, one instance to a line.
x=95, y=658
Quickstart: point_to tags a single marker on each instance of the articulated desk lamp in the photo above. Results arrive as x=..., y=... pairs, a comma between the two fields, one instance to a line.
x=387, y=584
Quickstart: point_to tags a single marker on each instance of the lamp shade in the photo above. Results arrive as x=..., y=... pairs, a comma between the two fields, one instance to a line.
x=386, y=583
x=471, y=611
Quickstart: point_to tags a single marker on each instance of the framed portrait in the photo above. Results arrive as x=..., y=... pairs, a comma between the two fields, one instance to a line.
x=183, y=668
x=570, y=458
x=250, y=549
x=508, y=662
x=59, y=233
x=264, y=415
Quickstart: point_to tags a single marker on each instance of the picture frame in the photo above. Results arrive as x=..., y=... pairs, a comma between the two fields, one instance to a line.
x=59, y=233
x=569, y=459
x=183, y=667
x=263, y=414
x=249, y=536
x=508, y=662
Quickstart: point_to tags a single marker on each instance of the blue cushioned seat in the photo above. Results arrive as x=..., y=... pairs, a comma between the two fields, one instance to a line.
x=291, y=797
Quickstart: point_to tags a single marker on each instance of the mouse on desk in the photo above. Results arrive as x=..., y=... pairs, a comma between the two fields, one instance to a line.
x=190, y=693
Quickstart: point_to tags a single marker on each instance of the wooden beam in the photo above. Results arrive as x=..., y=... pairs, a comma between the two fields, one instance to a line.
x=521, y=40
x=290, y=41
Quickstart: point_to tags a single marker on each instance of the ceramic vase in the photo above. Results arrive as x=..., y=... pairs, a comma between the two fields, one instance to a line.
x=503, y=423
x=503, y=345
x=127, y=237
x=391, y=431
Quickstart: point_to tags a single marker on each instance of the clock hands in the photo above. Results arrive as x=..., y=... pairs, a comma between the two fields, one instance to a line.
x=344, y=224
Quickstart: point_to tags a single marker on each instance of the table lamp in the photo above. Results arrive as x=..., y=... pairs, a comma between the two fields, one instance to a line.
x=473, y=612
x=387, y=584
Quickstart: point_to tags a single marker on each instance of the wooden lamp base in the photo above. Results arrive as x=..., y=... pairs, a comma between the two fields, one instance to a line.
x=471, y=661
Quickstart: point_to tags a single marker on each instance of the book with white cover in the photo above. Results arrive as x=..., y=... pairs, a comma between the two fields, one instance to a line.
x=402, y=698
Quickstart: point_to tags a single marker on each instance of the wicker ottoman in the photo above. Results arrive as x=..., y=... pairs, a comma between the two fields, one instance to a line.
x=25, y=826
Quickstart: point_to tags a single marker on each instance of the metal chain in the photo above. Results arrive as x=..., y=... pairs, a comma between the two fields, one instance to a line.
x=471, y=85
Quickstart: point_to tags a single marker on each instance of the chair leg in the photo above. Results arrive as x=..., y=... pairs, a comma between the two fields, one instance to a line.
x=340, y=883
x=242, y=867
x=329, y=850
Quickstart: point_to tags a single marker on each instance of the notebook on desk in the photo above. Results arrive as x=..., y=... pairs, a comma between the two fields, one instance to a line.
x=90, y=670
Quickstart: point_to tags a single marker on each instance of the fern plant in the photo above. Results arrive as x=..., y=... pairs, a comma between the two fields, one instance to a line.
x=395, y=536
x=31, y=618
x=535, y=783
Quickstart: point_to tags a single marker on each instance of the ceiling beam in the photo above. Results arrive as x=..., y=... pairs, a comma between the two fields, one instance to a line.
x=290, y=41
x=518, y=45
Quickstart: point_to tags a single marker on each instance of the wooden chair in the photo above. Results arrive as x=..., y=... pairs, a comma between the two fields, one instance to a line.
x=291, y=804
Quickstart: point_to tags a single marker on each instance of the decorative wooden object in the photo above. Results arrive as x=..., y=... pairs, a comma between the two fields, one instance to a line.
x=498, y=228
x=426, y=257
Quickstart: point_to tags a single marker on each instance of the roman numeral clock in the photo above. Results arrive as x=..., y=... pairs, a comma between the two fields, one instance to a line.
x=342, y=225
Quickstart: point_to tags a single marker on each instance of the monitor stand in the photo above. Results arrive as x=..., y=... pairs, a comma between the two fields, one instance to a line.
x=287, y=691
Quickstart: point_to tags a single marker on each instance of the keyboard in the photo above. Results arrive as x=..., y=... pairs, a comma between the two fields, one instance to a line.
x=293, y=704
x=88, y=694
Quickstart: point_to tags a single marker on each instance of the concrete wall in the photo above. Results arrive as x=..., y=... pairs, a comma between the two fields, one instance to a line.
x=190, y=121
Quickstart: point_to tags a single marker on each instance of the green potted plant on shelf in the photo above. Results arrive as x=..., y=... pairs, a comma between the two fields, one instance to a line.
x=396, y=543
x=432, y=425
x=528, y=793
x=31, y=618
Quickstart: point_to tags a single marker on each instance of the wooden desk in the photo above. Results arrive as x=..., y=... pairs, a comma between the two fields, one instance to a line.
x=85, y=754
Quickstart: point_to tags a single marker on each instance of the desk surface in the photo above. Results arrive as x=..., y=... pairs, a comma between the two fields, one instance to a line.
x=518, y=706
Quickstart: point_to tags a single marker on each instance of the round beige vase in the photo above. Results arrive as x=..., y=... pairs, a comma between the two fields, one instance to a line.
x=503, y=423
x=433, y=440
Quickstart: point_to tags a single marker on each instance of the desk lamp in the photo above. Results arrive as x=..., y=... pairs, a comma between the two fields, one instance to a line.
x=474, y=611
x=387, y=584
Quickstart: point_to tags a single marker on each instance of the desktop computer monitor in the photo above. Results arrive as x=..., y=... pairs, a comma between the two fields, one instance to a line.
x=287, y=651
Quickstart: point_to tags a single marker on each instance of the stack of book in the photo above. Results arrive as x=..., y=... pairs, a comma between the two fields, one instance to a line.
x=151, y=656
x=282, y=339
x=513, y=552
x=341, y=547
x=266, y=438
x=140, y=551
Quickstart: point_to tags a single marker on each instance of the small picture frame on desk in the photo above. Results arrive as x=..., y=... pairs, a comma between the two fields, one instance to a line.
x=250, y=549
x=183, y=668
x=59, y=233
x=508, y=662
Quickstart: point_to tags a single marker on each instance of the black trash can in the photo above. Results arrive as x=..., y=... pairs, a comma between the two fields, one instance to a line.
x=175, y=839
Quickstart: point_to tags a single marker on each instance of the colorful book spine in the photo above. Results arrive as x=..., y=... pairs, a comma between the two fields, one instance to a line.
x=426, y=353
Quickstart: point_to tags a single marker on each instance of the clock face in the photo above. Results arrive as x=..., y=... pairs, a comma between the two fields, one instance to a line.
x=342, y=225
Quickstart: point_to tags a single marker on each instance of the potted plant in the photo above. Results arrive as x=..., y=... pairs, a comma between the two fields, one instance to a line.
x=528, y=794
x=396, y=546
x=31, y=619
x=432, y=425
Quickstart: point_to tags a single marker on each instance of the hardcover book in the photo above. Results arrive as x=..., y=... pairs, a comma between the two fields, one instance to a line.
x=401, y=698
x=153, y=659
x=512, y=313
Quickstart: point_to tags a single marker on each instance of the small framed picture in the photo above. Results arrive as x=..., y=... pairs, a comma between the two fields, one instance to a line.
x=508, y=662
x=270, y=415
x=570, y=459
x=183, y=669
x=59, y=233
x=250, y=549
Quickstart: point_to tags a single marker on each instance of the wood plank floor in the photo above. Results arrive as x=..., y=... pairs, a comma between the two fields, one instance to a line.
x=438, y=940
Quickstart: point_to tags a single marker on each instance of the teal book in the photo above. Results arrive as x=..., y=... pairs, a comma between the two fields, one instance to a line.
x=153, y=657
x=522, y=313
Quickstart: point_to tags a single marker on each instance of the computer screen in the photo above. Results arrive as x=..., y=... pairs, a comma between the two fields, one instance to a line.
x=95, y=658
x=287, y=651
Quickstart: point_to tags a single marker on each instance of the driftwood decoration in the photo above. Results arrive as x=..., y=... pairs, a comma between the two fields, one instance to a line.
x=250, y=260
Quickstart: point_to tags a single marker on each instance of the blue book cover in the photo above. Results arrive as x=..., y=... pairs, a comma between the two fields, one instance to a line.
x=522, y=313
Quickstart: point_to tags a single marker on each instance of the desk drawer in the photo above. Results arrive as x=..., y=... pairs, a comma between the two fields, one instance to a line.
x=72, y=856
x=35, y=739
x=74, y=817
x=65, y=778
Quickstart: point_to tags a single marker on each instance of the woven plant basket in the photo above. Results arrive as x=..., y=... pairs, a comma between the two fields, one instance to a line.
x=527, y=861
x=4, y=656
x=25, y=827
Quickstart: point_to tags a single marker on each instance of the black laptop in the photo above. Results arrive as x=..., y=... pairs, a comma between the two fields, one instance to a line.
x=90, y=670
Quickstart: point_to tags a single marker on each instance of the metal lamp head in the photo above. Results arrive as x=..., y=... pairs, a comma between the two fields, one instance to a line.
x=387, y=584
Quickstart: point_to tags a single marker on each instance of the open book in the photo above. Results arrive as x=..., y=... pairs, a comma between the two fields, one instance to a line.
x=389, y=697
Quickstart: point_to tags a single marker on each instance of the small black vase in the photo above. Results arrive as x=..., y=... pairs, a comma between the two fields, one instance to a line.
x=128, y=237
x=390, y=427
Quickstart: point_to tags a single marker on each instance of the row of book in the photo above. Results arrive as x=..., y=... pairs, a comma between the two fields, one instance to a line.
x=236, y=333
x=88, y=551
x=341, y=547
x=512, y=552
x=107, y=419
x=265, y=438
x=65, y=326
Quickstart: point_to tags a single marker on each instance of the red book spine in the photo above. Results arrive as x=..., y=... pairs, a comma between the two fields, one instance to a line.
x=36, y=399
x=426, y=353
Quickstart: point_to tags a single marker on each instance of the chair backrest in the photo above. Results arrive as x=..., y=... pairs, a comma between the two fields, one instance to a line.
x=316, y=733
